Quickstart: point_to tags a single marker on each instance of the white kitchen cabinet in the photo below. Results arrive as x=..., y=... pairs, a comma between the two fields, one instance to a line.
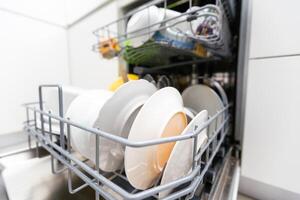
x=271, y=143
x=275, y=28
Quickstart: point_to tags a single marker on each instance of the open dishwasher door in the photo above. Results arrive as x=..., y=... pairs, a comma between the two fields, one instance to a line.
x=227, y=184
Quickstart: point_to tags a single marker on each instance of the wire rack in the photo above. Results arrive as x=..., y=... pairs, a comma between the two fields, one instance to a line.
x=115, y=185
x=166, y=38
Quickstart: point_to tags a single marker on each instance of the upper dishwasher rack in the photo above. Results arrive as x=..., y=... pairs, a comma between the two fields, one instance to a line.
x=199, y=32
x=115, y=185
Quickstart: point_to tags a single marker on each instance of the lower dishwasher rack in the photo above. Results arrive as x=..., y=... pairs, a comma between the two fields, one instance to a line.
x=115, y=185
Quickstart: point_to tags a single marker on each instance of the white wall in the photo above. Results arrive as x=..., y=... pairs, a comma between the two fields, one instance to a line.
x=34, y=50
x=88, y=70
x=31, y=53
x=78, y=8
x=52, y=11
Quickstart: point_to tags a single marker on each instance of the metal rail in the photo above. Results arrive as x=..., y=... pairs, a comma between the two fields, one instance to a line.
x=217, y=42
x=102, y=182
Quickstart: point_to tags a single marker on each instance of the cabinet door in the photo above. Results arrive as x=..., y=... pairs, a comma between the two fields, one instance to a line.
x=275, y=28
x=271, y=143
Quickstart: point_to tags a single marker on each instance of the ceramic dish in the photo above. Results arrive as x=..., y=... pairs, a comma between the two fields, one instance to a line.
x=55, y=127
x=85, y=110
x=116, y=117
x=141, y=20
x=201, y=97
x=181, y=158
x=189, y=114
x=174, y=34
x=51, y=98
x=161, y=116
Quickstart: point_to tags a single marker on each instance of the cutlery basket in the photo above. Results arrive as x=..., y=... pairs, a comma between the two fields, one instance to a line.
x=115, y=185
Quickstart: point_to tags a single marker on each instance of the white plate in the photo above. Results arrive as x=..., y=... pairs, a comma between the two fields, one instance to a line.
x=189, y=114
x=84, y=110
x=55, y=126
x=116, y=117
x=51, y=98
x=181, y=158
x=140, y=20
x=201, y=97
x=161, y=116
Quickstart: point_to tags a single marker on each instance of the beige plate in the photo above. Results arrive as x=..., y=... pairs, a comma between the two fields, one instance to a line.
x=161, y=116
x=181, y=159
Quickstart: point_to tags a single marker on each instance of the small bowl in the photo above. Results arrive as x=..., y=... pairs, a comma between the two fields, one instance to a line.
x=136, y=29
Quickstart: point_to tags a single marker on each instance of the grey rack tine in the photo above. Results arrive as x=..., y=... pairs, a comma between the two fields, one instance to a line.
x=122, y=36
x=136, y=144
x=81, y=164
x=36, y=141
x=97, y=154
x=129, y=14
x=60, y=105
x=101, y=178
x=70, y=184
x=66, y=163
x=61, y=124
x=67, y=158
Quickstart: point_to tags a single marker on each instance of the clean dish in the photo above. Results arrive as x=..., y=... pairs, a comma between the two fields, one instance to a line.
x=181, y=158
x=201, y=97
x=116, y=117
x=189, y=114
x=137, y=32
x=117, y=83
x=161, y=116
x=55, y=126
x=51, y=98
x=175, y=33
x=84, y=110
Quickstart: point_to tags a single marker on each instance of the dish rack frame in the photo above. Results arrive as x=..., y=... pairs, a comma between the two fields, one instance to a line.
x=103, y=182
x=217, y=45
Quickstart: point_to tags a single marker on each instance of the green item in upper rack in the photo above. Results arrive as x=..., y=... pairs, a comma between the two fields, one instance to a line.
x=152, y=53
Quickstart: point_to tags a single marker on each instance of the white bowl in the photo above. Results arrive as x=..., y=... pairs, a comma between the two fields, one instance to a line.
x=140, y=20
x=201, y=97
x=84, y=110
x=116, y=117
x=181, y=158
x=175, y=31
x=161, y=116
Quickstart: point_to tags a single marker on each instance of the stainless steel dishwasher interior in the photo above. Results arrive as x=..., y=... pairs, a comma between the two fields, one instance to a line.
x=46, y=186
x=54, y=187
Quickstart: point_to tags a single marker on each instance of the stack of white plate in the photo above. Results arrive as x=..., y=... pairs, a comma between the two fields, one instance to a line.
x=140, y=112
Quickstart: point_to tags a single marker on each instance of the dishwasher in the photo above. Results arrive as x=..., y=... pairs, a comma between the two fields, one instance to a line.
x=217, y=61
